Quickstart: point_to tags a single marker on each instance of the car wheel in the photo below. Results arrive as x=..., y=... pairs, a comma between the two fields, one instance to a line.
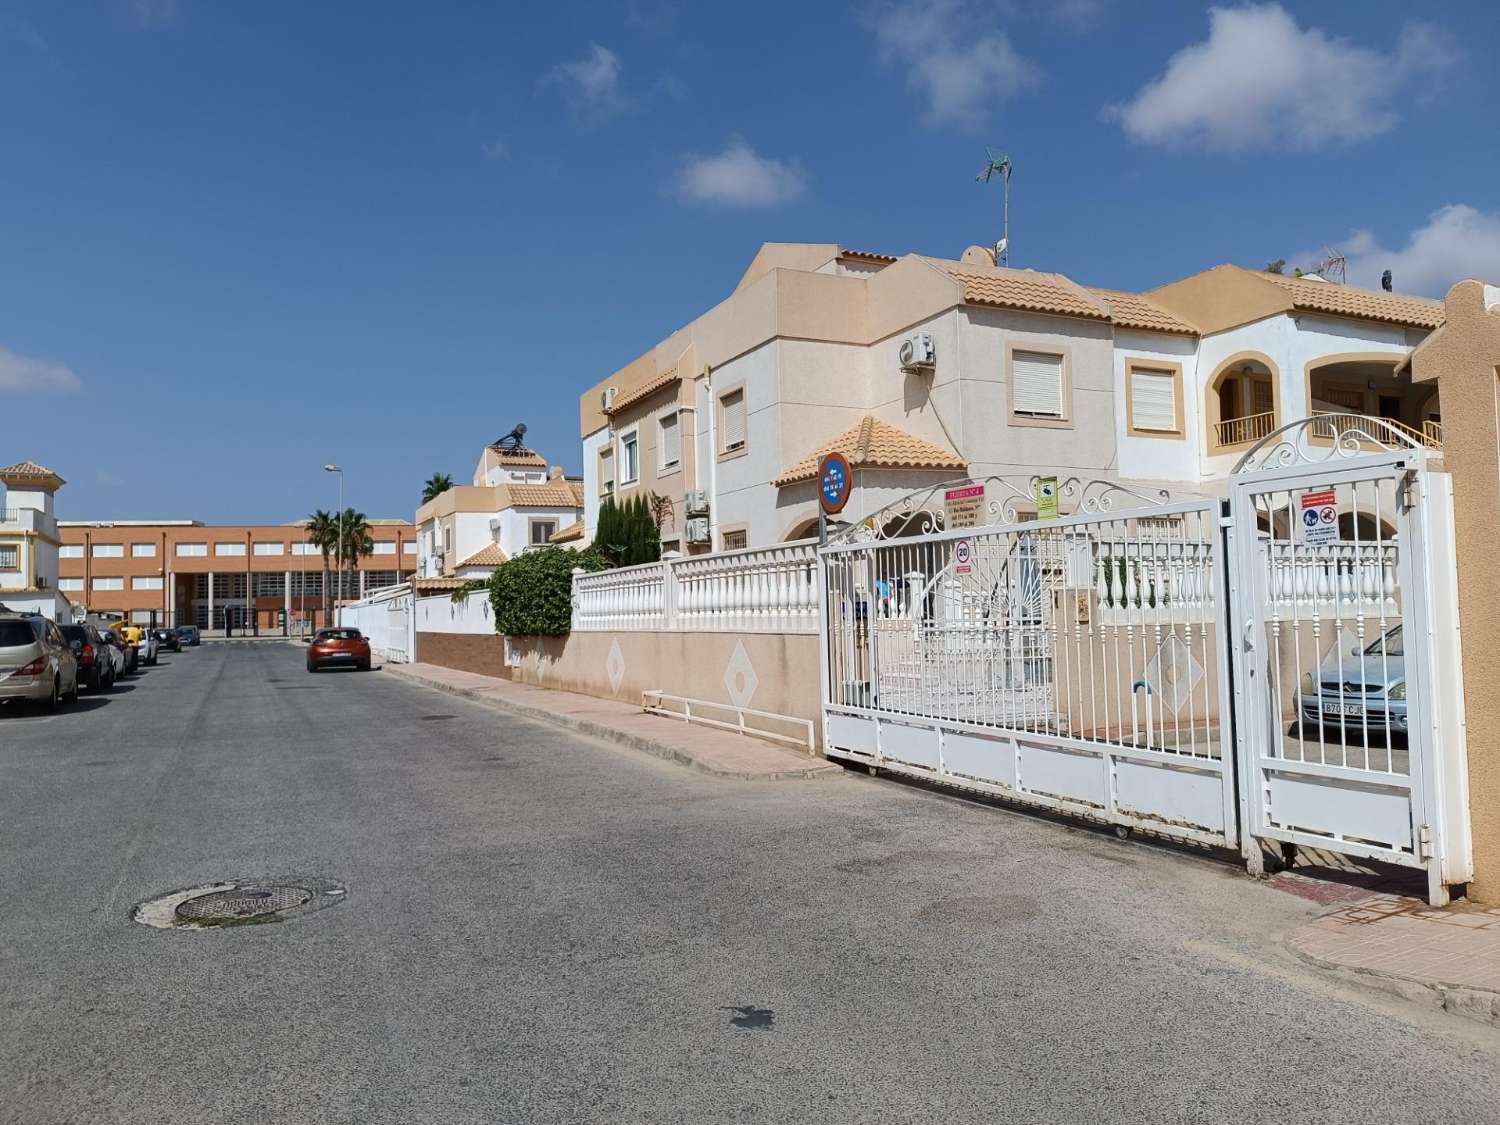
x=73, y=695
x=311, y=667
x=55, y=697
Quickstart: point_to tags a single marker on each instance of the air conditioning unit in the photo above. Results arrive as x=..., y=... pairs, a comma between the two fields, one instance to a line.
x=697, y=502
x=917, y=352
x=697, y=531
x=494, y=525
x=606, y=398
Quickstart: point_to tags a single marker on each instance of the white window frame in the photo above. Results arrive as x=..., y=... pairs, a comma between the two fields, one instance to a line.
x=192, y=550
x=409, y=547
x=1023, y=409
x=229, y=550
x=632, y=439
x=70, y=585
x=674, y=417
x=70, y=551
x=108, y=584
x=728, y=448
x=385, y=547
x=268, y=549
x=109, y=550
x=11, y=551
x=534, y=522
x=143, y=550
x=146, y=582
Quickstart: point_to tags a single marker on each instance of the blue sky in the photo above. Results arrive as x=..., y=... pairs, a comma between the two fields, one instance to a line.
x=239, y=240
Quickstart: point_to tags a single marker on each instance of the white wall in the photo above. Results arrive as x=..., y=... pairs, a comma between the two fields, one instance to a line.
x=441, y=614
x=1159, y=458
x=745, y=494
x=591, y=447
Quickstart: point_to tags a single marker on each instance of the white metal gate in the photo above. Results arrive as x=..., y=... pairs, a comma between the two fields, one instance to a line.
x=1347, y=686
x=1078, y=664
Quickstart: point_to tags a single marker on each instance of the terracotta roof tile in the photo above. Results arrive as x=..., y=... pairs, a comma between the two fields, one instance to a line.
x=1132, y=310
x=519, y=457
x=554, y=494
x=1365, y=304
x=1024, y=289
x=570, y=534
x=438, y=584
x=487, y=556
x=645, y=390
x=27, y=469
x=874, y=444
x=866, y=255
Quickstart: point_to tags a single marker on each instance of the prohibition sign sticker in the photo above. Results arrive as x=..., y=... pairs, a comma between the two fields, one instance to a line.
x=835, y=482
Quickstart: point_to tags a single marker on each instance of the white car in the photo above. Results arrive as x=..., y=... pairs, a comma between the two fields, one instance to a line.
x=149, y=647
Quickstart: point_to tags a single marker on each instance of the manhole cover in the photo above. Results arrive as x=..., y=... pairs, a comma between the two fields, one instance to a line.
x=239, y=902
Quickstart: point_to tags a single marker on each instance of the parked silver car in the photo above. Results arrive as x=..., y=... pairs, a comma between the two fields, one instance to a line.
x=1360, y=688
x=36, y=664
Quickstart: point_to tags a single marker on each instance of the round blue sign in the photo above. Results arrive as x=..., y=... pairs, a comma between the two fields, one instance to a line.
x=835, y=482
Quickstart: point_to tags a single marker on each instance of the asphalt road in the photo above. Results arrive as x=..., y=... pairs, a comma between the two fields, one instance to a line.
x=539, y=928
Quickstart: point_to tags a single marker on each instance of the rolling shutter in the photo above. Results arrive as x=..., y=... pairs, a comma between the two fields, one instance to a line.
x=1153, y=400
x=733, y=405
x=671, y=442
x=1038, y=386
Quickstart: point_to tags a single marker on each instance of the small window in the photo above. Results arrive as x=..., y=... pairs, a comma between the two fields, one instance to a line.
x=1037, y=384
x=192, y=550
x=736, y=540
x=669, y=443
x=409, y=547
x=385, y=548
x=732, y=421
x=143, y=550
x=606, y=473
x=264, y=549
x=541, y=531
x=10, y=557
x=229, y=549
x=630, y=458
x=109, y=550
x=70, y=585
x=147, y=582
x=1153, y=400
x=109, y=584
x=70, y=551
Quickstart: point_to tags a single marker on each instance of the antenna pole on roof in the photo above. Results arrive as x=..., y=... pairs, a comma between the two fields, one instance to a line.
x=999, y=165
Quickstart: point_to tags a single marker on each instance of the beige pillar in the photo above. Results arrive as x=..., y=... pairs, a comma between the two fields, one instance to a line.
x=1463, y=357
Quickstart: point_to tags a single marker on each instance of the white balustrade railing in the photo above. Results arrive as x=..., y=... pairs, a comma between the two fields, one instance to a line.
x=1332, y=573
x=769, y=589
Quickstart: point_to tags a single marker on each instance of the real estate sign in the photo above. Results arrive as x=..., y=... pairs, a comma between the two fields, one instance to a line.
x=963, y=507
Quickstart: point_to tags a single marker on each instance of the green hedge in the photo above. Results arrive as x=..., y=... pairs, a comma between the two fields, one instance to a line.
x=532, y=594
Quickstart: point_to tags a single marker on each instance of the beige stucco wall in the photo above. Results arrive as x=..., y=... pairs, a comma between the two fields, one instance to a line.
x=776, y=672
x=1465, y=355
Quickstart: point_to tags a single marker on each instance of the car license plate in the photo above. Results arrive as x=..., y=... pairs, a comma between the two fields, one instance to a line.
x=1343, y=709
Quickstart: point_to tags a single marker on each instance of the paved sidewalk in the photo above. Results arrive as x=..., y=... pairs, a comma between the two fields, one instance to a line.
x=703, y=748
x=1448, y=958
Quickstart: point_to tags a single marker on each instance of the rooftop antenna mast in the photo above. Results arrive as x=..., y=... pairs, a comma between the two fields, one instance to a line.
x=1334, y=265
x=999, y=166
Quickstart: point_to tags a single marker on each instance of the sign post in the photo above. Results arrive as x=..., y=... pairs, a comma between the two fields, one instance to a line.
x=835, y=483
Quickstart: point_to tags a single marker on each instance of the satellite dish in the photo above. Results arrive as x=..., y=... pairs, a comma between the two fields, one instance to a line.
x=1000, y=248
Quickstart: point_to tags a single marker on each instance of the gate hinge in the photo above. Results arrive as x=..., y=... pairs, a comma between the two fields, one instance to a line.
x=1407, y=498
x=1424, y=842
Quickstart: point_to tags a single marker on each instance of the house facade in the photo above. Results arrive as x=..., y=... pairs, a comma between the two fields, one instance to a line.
x=516, y=503
x=29, y=542
x=924, y=370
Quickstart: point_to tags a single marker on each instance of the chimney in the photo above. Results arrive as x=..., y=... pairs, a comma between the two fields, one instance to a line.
x=555, y=473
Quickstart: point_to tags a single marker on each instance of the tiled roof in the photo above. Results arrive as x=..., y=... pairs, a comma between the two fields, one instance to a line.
x=487, y=556
x=1025, y=289
x=1132, y=310
x=645, y=390
x=27, y=469
x=874, y=444
x=554, y=494
x=570, y=534
x=866, y=255
x=436, y=585
x=1366, y=304
x=519, y=457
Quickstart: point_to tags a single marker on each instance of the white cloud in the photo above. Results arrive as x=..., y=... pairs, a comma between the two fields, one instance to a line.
x=739, y=177
x=1260, y=80
x=21, y=373
x=591, y=84
x=1458, y=241
x=962, y=66
x=496, y=149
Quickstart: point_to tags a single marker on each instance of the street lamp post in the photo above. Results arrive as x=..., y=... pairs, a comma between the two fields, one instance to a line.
x=339, y=547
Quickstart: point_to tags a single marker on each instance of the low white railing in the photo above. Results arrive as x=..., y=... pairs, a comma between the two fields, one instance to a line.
x=763, y=589
x=1335, y=573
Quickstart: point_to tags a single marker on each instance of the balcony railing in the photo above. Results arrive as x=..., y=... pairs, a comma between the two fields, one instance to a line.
x=10, y=515
x=1334, y=424
x=1241, y=431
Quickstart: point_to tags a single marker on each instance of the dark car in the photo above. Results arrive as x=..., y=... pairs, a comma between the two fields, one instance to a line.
x=96, y=670
x=187, y=635
x=167, y=640
x=127, y=655
x=338, y=648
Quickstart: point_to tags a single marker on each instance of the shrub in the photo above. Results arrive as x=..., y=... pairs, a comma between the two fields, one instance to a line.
x=532, y=594
x=626, y=533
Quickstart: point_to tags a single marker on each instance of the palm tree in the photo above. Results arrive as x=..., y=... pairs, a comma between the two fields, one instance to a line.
x=436, y=485
x=358, y=542
x=323, y=533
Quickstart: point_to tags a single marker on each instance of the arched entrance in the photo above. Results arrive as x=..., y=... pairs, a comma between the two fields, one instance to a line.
x=1242, y=401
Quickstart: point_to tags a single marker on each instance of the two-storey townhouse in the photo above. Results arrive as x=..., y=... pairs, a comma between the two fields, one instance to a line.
x=1028, y=372
x=29, y=542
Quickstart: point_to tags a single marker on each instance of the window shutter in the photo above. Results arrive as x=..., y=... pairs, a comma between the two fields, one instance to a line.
x=1038, y=383
x=734, y=419
x=671, y=442
x=1153, y=400
x=606, y=471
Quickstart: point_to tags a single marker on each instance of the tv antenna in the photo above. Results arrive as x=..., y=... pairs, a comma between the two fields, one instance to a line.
x=1333, y=267
x=999, y=166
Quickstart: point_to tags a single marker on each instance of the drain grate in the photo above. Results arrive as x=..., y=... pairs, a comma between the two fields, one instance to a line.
x=242, y=904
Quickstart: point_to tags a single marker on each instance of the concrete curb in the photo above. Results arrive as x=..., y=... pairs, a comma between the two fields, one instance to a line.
x=1479, y=1005
x=818, y=770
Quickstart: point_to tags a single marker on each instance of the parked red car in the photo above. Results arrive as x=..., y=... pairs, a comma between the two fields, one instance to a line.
x=338, y=648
